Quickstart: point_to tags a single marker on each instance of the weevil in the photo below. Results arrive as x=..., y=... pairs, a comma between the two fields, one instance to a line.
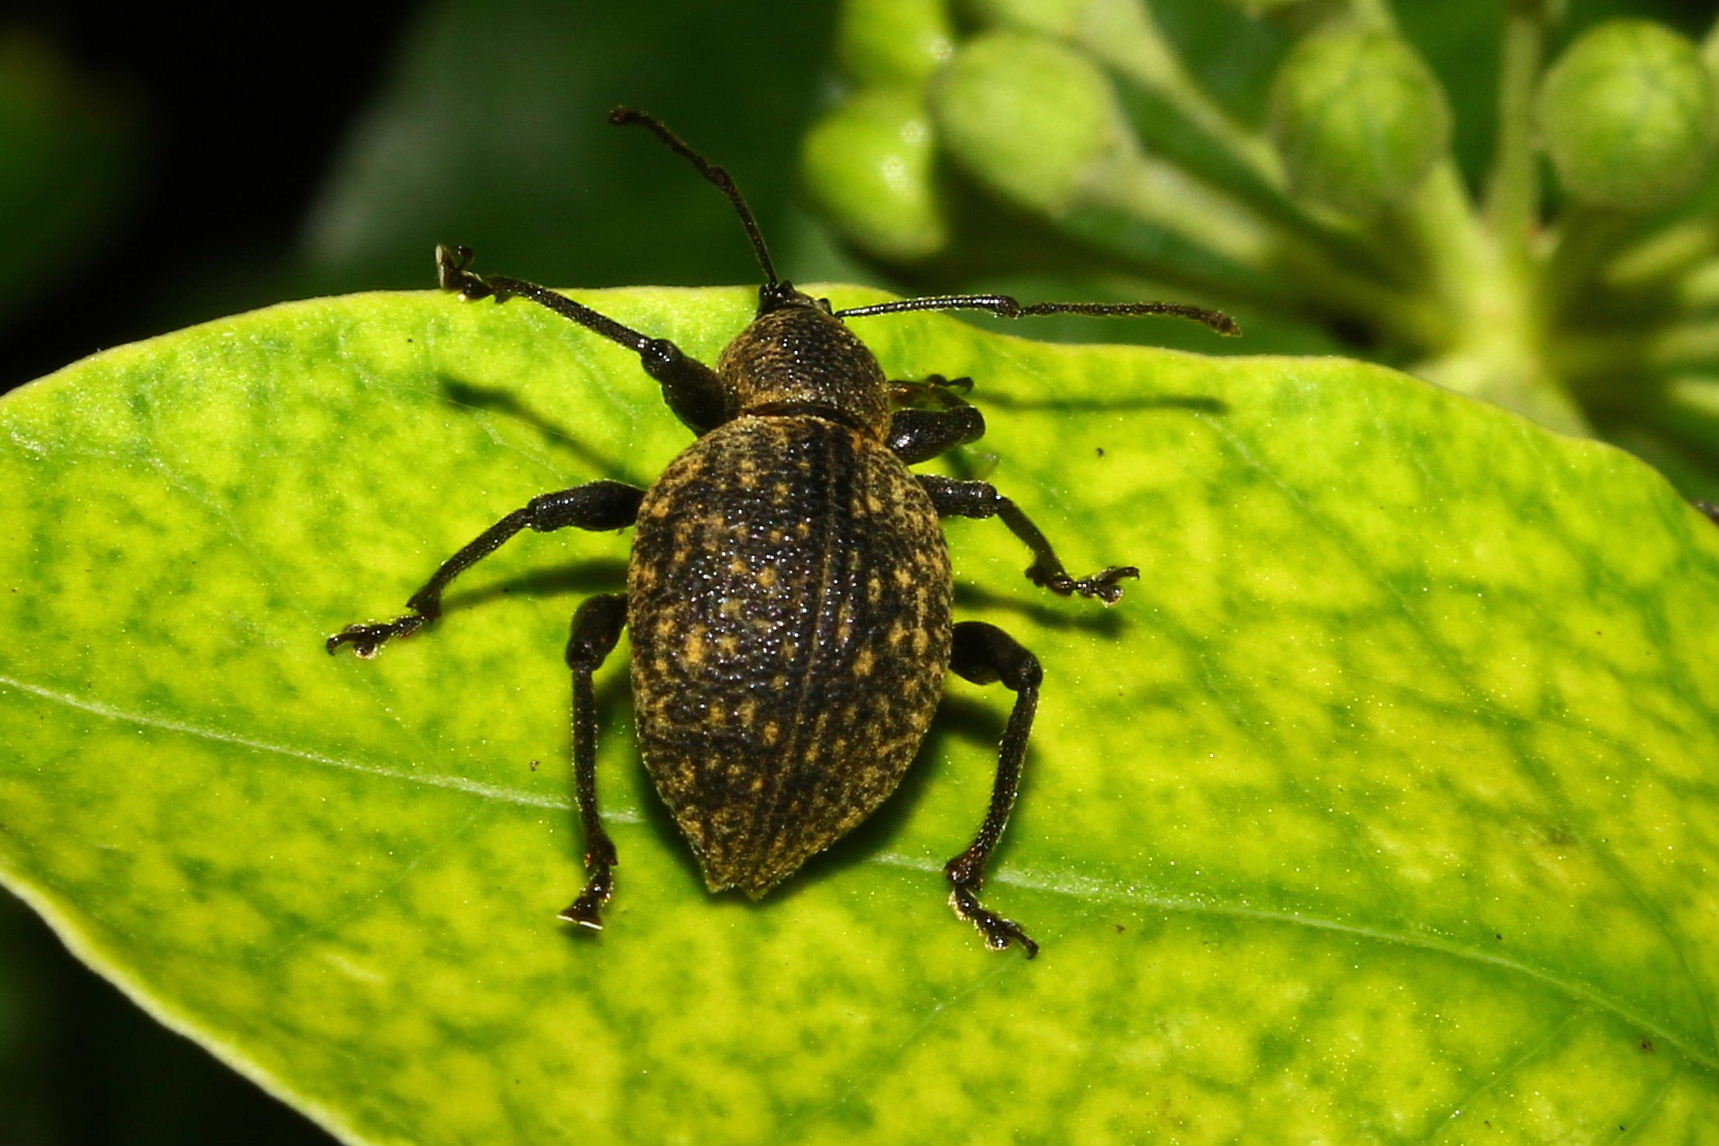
x=789, y=591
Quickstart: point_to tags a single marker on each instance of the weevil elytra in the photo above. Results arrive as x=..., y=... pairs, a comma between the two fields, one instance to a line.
x=789, y=591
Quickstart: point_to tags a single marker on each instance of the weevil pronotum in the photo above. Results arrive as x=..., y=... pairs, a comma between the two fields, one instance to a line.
x=789, y=592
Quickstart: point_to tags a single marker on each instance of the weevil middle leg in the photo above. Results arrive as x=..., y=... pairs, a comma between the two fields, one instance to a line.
x=978, y=499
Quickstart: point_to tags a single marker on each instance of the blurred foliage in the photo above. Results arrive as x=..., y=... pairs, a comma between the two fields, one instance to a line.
x=490, y=132
x=1347, y=177
x=69, y=157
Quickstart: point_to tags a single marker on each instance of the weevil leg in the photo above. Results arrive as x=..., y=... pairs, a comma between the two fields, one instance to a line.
x=933, y=392
x=978, y=499
x=919, y=435
x=596, y=627
x=931, y=417
x=984, y=654
x=597, y=506
x=691, y=389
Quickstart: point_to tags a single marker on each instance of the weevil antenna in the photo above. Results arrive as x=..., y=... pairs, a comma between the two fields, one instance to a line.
x=1003, y=306
x=717, y=175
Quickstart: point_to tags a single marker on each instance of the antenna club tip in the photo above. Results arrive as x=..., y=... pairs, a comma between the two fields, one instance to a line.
x=1225, y=325
x=623, y=115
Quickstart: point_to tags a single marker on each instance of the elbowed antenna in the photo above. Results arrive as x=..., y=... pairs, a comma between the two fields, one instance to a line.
x=1003, y=306
x=717, y=175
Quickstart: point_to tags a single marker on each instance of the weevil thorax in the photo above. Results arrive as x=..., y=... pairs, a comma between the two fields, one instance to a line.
x=798, y=358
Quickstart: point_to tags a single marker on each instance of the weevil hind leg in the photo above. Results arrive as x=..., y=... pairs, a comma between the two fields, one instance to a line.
x=596, y=628
x=984, y=654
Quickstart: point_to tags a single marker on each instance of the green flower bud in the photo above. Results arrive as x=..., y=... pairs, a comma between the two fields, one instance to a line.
x=893, y=42
x=1358, y=119
x=1030, y=118
x=869, y=164
x=1628, y=116
x=1058, y=18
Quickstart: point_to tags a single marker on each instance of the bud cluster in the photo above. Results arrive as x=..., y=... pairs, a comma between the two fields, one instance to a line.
x=1309, y=166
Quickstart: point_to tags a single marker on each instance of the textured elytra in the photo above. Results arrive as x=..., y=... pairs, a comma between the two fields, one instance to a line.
x=789, y=600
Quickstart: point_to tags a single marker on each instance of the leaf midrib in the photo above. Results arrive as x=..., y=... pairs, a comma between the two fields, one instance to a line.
x=1085, y=889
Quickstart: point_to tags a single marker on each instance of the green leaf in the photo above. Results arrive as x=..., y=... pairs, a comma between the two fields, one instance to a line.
x=1382, y=809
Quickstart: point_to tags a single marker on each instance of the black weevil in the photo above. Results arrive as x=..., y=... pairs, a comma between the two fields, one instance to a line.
x=789, y=589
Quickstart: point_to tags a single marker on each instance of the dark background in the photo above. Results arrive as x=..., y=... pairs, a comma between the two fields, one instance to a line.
x=245, y=163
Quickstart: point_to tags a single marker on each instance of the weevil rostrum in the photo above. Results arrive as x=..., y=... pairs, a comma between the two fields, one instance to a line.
x=789, y=590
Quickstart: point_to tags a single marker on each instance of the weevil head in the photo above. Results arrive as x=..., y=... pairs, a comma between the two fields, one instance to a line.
x=798, y=357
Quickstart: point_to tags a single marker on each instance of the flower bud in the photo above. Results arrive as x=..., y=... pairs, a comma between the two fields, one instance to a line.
x=1058, y=18
x=1627, y=115
x=1358, y=119
x=895, y=43
x=869, y=165
x=1030, y=118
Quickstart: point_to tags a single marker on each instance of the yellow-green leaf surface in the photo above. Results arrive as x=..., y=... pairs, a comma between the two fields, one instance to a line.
x=1385, y=808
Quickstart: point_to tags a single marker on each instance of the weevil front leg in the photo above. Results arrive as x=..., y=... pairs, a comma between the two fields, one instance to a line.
x=919, y=435
x=984, y=654
x=691, y=389
x=931, y=417
x=597, y=506
x=596, y=628
x=978, y=499
x=933, y=392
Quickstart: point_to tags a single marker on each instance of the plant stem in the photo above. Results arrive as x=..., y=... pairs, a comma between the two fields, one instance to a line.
x=1685, y=344
x=1586, y=238
x=1699, y=289
x=1490, y=341
x=1665, y=253
x=1453, y=252
x=1602, y=359
x=1281, y=264
x=1124, y=35
x=1375, y=14
x=1164, y=195
x=1513, y=186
